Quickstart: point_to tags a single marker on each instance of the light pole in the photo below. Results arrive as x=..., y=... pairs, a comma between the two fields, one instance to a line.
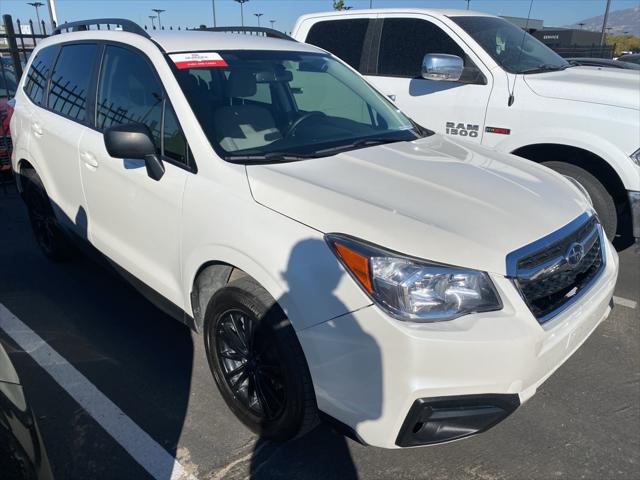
x=153, y=23
x=241, y=2
x=213, y=7
x=37, y=5
x=370, y=3
x=581, y=25
x=273, y=23
x=158, y=11
x=258, y=15
x=468, y=2
x=604, y=23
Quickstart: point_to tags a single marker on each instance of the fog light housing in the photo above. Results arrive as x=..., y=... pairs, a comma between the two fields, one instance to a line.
x=442, y=419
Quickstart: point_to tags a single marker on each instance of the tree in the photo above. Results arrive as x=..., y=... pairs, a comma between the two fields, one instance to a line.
x=339, y=5
x=624, y=43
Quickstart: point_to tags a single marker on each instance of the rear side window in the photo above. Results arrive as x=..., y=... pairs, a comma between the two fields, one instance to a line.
x=405, y=42
x=70, y=81
x=36, y=82
x=343, y=38
x=130, y=92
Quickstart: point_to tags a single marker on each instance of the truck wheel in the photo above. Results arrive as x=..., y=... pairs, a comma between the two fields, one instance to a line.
x=603, y=202
x=49, y=235
x=258, y=363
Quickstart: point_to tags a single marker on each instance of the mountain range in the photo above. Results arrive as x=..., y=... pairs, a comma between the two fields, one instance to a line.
x=620, y=21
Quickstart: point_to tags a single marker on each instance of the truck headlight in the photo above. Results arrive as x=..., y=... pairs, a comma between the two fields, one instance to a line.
x=635, y=156
x=412, y=289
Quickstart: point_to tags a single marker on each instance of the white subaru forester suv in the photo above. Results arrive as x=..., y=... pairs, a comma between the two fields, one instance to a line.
x=341, y=261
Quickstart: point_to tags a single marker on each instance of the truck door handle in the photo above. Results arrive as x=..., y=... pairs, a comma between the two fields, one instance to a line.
x=36, y=129
x=89, y=159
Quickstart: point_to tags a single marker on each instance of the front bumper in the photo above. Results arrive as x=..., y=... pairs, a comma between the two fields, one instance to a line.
x=369, y=370
x=634, y=202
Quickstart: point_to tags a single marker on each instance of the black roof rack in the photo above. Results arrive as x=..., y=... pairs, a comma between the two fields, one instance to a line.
x=260, y=31
x=126, y=25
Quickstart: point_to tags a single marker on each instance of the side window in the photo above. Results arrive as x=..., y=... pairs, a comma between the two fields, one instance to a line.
x=405, y=42
x=130, y=92
x=70, y=80
x=175, y=145
x=36, y=81
x=343, y=38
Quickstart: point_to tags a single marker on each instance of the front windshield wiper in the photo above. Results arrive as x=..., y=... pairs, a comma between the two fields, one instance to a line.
x=363, y=142
x=545, y=68
x=327, y=152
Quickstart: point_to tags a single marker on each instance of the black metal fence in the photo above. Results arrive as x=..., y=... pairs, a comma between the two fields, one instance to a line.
x=593, y=51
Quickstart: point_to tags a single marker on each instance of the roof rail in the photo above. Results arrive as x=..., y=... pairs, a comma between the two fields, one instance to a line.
x=126, y=25
x=260, y=31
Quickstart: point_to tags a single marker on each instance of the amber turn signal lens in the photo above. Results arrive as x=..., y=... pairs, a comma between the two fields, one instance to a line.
x=357, y=264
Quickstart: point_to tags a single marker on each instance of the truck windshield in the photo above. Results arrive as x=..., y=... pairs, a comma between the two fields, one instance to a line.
x=511, y=47
x=283, y=106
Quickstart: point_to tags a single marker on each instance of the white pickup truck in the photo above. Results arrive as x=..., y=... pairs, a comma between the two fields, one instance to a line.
x=480, y=78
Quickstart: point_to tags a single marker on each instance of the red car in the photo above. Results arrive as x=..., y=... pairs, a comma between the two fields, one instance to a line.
x=7, y=90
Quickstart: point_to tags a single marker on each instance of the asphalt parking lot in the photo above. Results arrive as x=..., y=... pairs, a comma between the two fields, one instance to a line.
x=149, y=387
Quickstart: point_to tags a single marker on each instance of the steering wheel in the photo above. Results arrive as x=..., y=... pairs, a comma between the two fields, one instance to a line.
x=301, y=120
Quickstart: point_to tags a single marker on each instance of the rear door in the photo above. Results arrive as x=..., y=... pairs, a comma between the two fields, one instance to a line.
x=56, y=126
x=134, y=220
x=451, y=108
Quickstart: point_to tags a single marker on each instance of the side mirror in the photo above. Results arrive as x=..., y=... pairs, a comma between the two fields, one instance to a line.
x=440, y=66
x=134, y=141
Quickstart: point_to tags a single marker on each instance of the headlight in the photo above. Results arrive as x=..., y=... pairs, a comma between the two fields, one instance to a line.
x=635, y=156
x=413, y=289
x=579, y=186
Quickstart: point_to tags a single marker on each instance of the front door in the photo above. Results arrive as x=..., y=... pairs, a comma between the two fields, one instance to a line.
x=134, y=220
x=455, y=109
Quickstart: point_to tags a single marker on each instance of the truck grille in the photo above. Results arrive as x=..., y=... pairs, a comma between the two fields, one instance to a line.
x=555, y=271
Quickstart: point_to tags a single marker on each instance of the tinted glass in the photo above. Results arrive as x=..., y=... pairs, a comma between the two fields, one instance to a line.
x=36, y=81
x=175, y=145
x=511, y=47
x=343, y=38
x=70, y=80
x=405, y=42
x=130, y=92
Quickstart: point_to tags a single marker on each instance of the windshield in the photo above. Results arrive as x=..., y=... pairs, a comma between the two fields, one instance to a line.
x=510, y=46
x=278, y=105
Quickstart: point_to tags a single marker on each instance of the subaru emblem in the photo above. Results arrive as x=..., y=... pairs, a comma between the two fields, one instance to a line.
x=574, y=254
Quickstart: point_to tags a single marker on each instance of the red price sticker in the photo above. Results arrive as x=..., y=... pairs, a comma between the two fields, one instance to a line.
x=197, y=60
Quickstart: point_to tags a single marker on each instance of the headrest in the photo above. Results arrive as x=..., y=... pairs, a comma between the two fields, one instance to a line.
x=242, y=83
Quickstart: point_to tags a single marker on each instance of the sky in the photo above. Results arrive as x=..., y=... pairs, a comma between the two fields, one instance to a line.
x=191, y=13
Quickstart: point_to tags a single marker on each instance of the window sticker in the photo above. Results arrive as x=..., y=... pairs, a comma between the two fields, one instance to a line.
x=197, y=60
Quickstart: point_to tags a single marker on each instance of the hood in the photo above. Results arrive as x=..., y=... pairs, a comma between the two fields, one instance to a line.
x=606, y=86
x=434, y=198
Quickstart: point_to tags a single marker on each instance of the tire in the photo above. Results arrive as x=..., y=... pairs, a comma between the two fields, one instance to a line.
x=49, y=235
x=603, y=202
x=258, y=363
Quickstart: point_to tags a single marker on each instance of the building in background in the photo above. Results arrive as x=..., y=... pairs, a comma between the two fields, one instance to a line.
x=570, y=42
x=528, y=24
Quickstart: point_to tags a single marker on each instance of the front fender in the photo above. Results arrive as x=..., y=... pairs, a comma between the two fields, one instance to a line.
x=611, y=153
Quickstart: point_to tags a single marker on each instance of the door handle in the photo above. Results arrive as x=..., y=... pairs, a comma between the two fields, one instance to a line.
x=37, y=129
x=89, y=159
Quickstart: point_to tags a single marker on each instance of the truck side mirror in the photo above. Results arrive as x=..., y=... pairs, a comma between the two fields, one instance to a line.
x=134, y=141
x=441, y=66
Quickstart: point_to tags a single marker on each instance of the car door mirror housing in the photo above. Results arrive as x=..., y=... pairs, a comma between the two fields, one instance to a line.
x=134, y=141
x=441, y=66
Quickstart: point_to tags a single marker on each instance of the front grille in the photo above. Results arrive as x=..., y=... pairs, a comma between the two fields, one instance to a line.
x=555, y=271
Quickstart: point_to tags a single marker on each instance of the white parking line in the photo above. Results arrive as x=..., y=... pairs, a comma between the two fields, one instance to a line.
x=624, y=302
x=144, y=449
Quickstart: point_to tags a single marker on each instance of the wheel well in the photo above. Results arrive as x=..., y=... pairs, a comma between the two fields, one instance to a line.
x=211, y=277
x=23, y=165
x=579, y=157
